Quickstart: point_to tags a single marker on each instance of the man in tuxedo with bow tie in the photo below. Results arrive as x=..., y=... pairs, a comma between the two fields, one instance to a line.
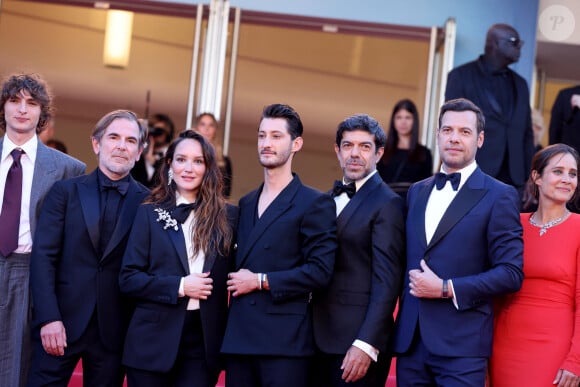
x=353, y=316
x=79, y=312
x=464, y=247
x=286, y=245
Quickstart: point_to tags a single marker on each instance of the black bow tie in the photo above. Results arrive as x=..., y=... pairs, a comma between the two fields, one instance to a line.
x=121, y=186
x=339, y=188
x=182, y=211
x=441, y=178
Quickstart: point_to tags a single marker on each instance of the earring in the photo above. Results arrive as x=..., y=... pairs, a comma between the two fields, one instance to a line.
x=169, y=176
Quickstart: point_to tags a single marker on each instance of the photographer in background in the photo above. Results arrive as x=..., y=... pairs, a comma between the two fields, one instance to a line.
x=161, y=132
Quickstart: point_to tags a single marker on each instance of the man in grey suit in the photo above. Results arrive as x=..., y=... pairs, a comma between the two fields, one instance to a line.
x=28, y=169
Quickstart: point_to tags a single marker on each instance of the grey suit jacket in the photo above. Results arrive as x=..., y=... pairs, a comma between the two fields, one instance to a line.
x=49, y=167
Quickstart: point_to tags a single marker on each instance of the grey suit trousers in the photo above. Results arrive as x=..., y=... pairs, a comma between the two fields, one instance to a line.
x=15, y=317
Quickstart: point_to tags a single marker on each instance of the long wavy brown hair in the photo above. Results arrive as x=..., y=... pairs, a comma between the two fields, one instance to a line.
x=211, y=230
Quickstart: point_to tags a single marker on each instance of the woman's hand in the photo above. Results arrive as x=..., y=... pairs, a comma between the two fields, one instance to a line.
x=198, y=285
x=566, y=378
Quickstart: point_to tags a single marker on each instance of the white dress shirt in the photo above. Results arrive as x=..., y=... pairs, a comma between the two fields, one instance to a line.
x=195, y=262
x=439, y=201
x=27, y=161
x=341, y=202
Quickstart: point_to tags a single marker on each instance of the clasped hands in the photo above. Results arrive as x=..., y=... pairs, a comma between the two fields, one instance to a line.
x=424, y=283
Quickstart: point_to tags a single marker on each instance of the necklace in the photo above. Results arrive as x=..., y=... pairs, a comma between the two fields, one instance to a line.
x=544, y=227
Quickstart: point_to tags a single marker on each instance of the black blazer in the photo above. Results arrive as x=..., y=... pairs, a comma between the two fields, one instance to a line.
x=503, y=131
x=154, y=263
x=293, y=243
x=565, y=121
x=368, y=271
x=69, y=278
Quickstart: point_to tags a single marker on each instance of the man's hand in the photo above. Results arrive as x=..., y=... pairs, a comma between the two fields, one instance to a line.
x=53, y=338
x=355, y=364
x=575, y=101
x=566, y=378
x=423, y=283
x=242, y=282
x=198, y=285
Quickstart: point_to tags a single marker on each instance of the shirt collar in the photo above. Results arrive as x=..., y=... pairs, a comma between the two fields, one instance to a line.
x=180, y=199
x=29, y=147
x=359, y=183
x=465, y=173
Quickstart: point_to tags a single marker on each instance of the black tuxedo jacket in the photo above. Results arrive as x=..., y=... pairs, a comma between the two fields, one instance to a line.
x=368, y=272
x=565, y=121
x=505, y=131
x=154, y=263
x=293, y=243
x=69, y=278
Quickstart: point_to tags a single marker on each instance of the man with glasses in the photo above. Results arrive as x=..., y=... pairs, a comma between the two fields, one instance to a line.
x=503, y=96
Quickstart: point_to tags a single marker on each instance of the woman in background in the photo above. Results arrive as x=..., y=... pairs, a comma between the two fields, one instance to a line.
x=405, y=161
x=206, y=125
x=175, y=268
x=537, y=330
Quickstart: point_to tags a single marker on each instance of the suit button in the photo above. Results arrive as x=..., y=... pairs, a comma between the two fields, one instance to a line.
x=100, y=269
x=266, y=247
x=252, y=302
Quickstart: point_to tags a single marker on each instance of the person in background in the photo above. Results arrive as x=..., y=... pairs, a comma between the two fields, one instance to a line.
x=161, y=132
x=28, y=169
x=56, y=144
x=175, y=267
x=79, y=312
x=565, y=118
x=286, y=246
x=536, y=339
x=405, y=161
x=504, y=98
x=206, y=125
x=539, y=129
x=353, y=316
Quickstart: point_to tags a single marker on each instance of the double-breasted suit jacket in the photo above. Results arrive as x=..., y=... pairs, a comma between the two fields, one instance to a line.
x=154, y=263
x=478, y=245
x=293, y=242
x=70, y=277
x=368, y=272
x=506, y=130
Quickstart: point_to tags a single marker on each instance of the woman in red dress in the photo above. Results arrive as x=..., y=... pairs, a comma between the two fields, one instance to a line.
x=537, y=330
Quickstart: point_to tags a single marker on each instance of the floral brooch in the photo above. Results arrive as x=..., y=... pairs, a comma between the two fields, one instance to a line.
x=164, y=216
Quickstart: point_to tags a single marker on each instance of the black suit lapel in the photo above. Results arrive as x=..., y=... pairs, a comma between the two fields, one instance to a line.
x=90, y=204
x=467, y=197
x=357, y=200
x=418, y=210
x=177, y=238
x=210, y=258
x=279, y=206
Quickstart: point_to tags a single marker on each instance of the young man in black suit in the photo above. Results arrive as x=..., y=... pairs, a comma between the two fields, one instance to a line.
x=78, y=309
x=353, y=317
x=286, y=246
